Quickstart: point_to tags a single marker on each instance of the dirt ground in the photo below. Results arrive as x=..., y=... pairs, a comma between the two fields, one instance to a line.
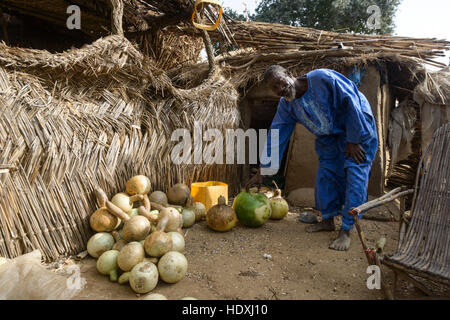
x=232, y=265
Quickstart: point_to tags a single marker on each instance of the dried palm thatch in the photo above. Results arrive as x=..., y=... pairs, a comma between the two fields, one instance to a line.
x=272, y=37
x=169, y=50
x=302, y=49
x=246, y=67
x=87, y=118
x=435, y=89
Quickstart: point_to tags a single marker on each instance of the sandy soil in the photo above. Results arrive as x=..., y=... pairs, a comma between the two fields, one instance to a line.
x=232, y=265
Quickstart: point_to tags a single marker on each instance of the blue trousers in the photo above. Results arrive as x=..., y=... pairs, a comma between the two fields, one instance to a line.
x=342, y=184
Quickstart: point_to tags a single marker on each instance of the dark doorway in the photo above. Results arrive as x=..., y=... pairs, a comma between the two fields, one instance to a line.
x=262, y=113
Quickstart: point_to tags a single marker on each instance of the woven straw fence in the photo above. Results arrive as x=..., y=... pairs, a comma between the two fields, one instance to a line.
x=87, y=118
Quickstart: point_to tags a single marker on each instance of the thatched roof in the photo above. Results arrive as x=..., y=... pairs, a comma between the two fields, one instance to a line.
x=303, y=49
x=138, y=15
x=297, y=48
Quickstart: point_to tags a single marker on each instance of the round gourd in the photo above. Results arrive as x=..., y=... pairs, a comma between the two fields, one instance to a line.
x=279, y=206
x=139, y=184
x=158, y=197
x=252, y=209
x=178, y=194
x=107, y=264
x=188, y=217
x=130, y=255
x=136, y=229
x=103, y=221
x=157, y=244
x=143, y=277
x=172, y=267
x=178, y=243
x=100, y=243
x=221, y=217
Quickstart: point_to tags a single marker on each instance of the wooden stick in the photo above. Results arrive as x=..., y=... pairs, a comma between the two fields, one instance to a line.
x=377, y=203
x=372, y=257
x=209, y=52
x=116, y=16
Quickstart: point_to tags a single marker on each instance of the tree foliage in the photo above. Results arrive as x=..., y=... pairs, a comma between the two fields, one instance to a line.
x=230, y=13
x=332, y=15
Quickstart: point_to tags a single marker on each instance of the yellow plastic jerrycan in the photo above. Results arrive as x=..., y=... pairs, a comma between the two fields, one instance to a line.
x=208, y=192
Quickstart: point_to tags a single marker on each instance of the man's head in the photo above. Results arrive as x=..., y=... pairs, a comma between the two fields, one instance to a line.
x=281, y=82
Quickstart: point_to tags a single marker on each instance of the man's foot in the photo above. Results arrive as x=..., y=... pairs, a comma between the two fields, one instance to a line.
x=325, y=225
x=342, y=243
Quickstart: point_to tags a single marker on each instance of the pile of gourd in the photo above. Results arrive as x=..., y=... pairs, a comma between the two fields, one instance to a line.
x=139, y=237
x=252, y=208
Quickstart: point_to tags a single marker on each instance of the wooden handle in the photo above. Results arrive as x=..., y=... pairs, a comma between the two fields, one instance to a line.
x=115, y=210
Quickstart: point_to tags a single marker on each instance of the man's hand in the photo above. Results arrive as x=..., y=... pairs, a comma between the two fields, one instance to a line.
x=356, y=152
x=256, y=179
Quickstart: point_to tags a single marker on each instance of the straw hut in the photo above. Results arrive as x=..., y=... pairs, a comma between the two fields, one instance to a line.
x=73, y=119
x=386, y=69
x=93, y=117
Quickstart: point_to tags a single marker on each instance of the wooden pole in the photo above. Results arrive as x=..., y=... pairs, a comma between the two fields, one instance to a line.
x=209, y=52
x=116, y=17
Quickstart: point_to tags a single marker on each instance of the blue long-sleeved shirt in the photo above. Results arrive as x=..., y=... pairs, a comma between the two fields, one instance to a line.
x=332, y=108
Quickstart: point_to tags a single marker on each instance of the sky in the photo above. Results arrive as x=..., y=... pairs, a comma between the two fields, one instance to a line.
x=414, y=18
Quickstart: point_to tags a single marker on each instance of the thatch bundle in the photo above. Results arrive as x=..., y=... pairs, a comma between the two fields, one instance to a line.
x=303, y=49
x=268, y=36
x=169, y=50
x=246, y=67
x=435, y=89
x=87, y=118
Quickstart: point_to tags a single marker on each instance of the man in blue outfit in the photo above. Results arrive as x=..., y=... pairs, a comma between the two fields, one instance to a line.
x=330, y=106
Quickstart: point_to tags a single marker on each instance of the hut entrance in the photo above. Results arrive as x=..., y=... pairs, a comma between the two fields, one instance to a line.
x=260, y=109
